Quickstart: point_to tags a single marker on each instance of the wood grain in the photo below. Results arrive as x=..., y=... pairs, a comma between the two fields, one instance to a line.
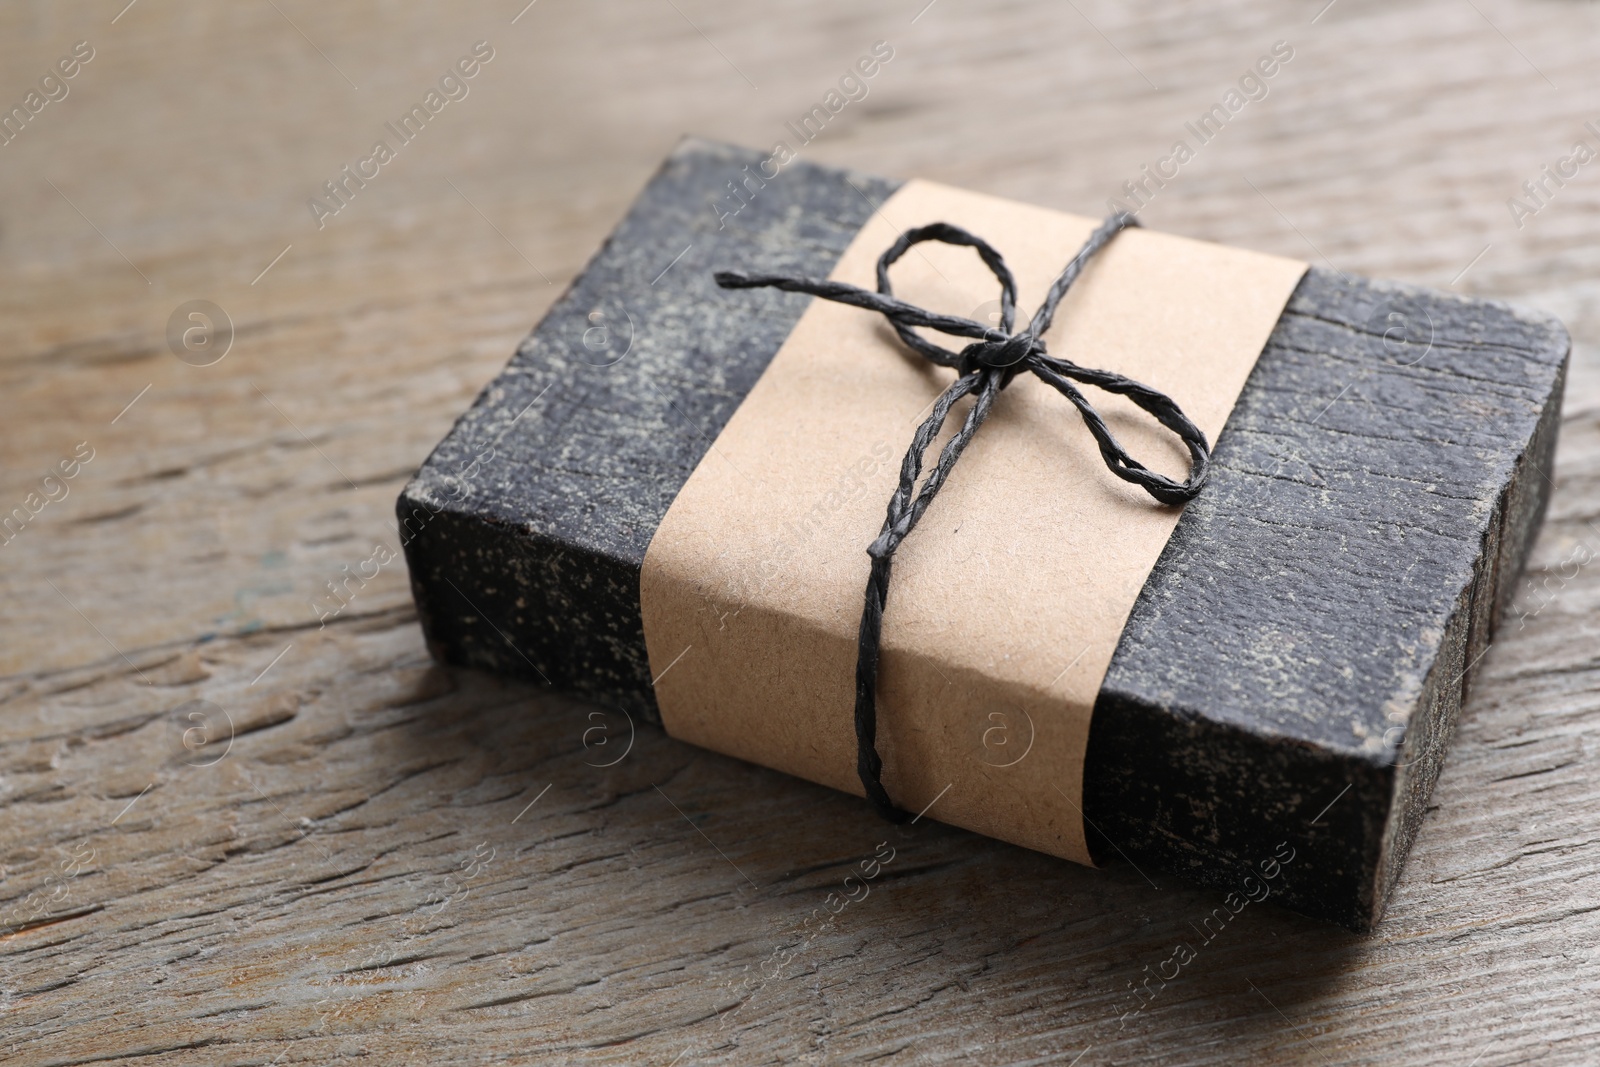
x=360, y=873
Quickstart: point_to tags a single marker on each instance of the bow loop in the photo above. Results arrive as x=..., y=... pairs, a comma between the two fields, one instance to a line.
x=986, y=366
x=945, y=233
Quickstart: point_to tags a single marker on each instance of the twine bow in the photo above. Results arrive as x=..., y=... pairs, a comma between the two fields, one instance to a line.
x=984, y=368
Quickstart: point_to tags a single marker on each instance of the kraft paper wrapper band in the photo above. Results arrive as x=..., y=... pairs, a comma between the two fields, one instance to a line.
x=1008, y=599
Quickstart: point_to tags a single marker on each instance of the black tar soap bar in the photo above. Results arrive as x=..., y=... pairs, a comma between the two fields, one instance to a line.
x=1294, y=666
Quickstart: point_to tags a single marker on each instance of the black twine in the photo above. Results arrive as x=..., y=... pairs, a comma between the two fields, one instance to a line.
x=984, y=368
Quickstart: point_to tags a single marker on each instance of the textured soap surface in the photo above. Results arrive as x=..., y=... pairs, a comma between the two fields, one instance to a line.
x=1305, y=639
x=586, y=437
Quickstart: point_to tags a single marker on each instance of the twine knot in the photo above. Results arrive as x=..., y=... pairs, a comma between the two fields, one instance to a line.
x=1004, y=353
x=984, y=368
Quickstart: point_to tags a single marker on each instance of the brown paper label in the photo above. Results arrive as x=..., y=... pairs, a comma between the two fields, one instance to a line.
x=1008, y=600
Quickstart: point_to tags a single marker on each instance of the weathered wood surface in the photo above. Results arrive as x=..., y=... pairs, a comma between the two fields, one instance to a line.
x=360, y=873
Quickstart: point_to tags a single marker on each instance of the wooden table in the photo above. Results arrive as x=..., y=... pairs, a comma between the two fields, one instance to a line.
x=235, y=834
